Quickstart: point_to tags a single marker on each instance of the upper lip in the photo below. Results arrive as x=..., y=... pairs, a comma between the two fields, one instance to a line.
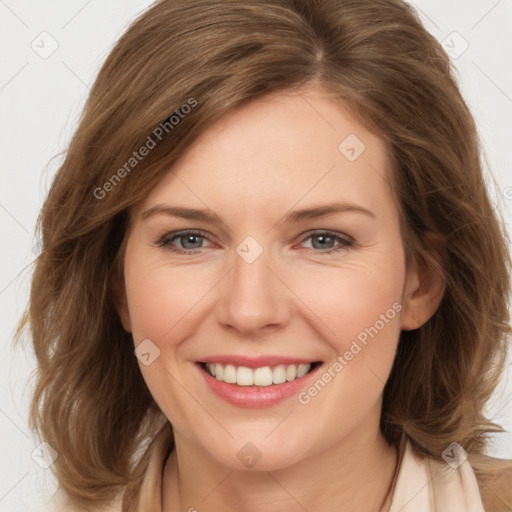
x=256, y=362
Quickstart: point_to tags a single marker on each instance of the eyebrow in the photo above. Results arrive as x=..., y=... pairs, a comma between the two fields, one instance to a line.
x=295, y=216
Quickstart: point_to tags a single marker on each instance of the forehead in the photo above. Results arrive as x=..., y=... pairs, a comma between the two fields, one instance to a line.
x=284, y=149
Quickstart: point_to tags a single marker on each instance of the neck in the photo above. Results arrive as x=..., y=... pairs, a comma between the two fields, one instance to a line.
x=356, y=474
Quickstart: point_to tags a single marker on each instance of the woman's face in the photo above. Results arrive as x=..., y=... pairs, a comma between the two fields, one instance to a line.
x=274, y=242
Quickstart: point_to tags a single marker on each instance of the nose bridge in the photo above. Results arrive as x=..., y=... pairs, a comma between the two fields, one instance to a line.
x=253, y=298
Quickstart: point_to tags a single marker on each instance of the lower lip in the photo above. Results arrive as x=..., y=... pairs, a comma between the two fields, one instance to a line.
x=256, y=397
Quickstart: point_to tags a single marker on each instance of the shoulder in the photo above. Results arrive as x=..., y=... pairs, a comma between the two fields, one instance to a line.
x=426, y=483
x=494, y=477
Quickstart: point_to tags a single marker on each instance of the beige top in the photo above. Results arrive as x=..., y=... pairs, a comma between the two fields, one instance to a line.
x=421, y=484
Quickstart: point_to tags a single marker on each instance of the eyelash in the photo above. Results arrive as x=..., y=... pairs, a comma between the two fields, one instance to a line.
x=166, y=241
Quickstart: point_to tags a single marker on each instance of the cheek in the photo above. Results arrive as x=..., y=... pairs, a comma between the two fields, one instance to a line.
x=358, y=311
x=348, y=391
x=162, y=300
x=348, y=302
x=164, y=304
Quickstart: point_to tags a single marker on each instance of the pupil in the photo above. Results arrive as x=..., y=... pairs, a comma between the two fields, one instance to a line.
x=190, y=238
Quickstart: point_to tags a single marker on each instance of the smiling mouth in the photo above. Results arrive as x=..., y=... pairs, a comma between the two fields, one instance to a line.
x=258, y=377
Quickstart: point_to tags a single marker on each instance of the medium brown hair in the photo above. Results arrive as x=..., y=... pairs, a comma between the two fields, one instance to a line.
x=374, y=56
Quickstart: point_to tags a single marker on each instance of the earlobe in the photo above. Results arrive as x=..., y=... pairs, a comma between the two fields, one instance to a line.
x=423, y=293
x=121, y=303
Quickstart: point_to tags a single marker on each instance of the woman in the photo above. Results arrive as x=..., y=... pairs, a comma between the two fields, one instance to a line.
x=271, y=275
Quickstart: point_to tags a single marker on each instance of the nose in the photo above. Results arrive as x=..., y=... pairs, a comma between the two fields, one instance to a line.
x=254, y=300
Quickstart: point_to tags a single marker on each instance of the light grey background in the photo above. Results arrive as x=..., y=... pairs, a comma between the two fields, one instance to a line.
x=41, y=96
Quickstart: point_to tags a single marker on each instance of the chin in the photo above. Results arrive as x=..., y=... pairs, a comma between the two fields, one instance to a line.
x=258, y=455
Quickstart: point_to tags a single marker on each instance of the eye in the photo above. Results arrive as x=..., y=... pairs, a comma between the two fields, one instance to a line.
x=189, y=240
x=324, y=240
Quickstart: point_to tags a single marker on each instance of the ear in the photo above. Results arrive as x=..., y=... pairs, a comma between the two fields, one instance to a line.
x=121, y=302
x=423, y=292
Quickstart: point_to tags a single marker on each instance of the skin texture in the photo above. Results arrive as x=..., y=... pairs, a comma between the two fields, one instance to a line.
x=251, y=168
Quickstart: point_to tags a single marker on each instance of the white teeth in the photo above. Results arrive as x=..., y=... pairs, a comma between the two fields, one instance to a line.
x=244, y=376
x=229, y=374
x=302, y=370
x=291, y=372
x=264, y=376
x=279, y=374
